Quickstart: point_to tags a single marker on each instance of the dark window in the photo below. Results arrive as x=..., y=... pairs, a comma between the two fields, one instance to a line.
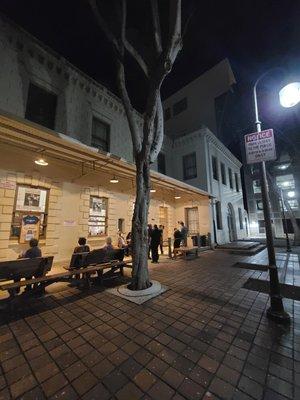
x=180, y=106
x=259, y=205
x=189, y=166
x=167, y=114
x=219, y=215
x=215, y=168
x=41, y=106
x=237, y=182
x=121, y=225
x=223, y=174
x=100, y=134
x=230, y=178
x=161, y=163
x=241, y=218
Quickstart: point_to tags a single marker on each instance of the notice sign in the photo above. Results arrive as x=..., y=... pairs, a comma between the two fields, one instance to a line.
x=260, y=146
x=30, y=228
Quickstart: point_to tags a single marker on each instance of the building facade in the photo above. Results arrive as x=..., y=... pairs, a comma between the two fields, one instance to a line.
x=53, y=112
x=195, y=151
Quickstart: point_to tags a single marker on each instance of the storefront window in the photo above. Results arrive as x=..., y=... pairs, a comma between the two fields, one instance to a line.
x=98, y=216
x=29, y=218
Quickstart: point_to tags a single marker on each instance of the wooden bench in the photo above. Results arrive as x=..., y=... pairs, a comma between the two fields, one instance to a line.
x=186, y=251
x=25, y=268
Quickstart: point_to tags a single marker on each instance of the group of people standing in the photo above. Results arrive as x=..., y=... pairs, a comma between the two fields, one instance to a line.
x=155, y=240
x=180, y=235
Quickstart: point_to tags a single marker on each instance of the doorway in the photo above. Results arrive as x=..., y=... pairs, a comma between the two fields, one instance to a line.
x=163, y=220
x=231, y=223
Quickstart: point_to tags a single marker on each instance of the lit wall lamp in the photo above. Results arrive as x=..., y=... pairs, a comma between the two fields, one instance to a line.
x=114, y=179
x=41, y=161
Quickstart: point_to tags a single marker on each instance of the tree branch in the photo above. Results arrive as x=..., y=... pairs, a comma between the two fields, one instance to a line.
x=156, y=26
x=159, y=131
x=136, y=55
x=134, y=129
x=175, y=40
x=103, y=25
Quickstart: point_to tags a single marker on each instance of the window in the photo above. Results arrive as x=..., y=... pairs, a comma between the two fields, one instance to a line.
x=219, y=215
x=192, y=220
x=167, y=114
x=230, y=178
x=161, y=163
x=236, y=182
x=215, y=168
x=256, y=186
x=29, y=218
x=189, y=166
x=241, y=218
x=121, y=225
x=98, y=216
x=285, y=182
x=259, y=205
x=223, y=174
x=293, y=204
x=261, y=226
x=100, y=134
x=180, y=106
x=41, y=106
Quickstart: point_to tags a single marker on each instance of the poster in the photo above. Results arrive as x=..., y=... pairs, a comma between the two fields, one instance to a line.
x=97, y=217
x=30, y=228
x=31, y=199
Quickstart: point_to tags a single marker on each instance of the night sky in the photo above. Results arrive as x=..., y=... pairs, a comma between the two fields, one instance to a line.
x=254, y=35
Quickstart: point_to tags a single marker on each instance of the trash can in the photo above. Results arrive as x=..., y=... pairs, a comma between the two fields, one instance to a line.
x=195, y=240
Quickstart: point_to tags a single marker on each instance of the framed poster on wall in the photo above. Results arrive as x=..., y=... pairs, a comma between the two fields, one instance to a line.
x=31, y=199
x=30, y=228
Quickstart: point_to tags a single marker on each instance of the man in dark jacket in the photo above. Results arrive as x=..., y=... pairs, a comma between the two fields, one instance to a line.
x=155, y=242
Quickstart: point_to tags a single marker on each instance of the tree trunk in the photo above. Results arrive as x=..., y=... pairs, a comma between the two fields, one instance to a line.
x=140, y=274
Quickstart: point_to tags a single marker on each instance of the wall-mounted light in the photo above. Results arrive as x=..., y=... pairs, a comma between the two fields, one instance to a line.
x=41, y=161
x=152, y=190
x=114, y=180
x=177, y=197
x=291, y=194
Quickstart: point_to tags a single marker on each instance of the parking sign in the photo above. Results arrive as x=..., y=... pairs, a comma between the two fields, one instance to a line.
x=260, y=146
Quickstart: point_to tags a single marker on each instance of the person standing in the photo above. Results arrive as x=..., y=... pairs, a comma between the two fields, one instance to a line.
x=149, y=239
x=161, y=244
x=155, y=242
x=184, y=233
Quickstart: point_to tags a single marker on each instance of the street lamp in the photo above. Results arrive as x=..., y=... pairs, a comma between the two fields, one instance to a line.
x=289, y=95
x=276, y=311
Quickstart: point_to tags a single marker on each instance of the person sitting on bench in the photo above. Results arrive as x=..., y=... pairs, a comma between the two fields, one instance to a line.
x=108, y=245
x=82, y=246
x=33, y=252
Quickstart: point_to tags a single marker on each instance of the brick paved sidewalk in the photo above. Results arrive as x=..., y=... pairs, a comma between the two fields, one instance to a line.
x=205, y=338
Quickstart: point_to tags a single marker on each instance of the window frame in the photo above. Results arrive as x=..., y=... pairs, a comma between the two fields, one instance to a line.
x=237, y=186
x=106, y=217
x=241, y=218
x=230, y=178
x=161, y=154
x=219, y=221
x=47, y=91
x=42, y=236
x=187, y=210
x=108, y=134
x=223, y=173
x=215, y=169
x=187, y=177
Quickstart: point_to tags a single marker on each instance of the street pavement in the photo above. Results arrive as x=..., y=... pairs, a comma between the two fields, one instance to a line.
x=205, y=338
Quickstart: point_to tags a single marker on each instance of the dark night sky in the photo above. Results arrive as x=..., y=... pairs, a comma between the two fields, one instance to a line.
x=255, y=35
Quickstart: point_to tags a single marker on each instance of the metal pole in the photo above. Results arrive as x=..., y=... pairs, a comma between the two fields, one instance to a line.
x=276, y=311
x=288, y=245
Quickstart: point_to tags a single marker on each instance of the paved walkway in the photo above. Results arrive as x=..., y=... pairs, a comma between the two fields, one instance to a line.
x=205, y=338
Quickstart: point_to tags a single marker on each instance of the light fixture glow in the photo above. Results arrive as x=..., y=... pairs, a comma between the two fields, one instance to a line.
x=289, y=95
x=291, y=194
x=177, y=197
x=283, y=166
x=41, y=161
x=114, y=180
x=286, y=183
x=152, y=190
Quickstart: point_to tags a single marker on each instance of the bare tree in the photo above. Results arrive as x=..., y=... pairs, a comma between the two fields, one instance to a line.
x=147, y=142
